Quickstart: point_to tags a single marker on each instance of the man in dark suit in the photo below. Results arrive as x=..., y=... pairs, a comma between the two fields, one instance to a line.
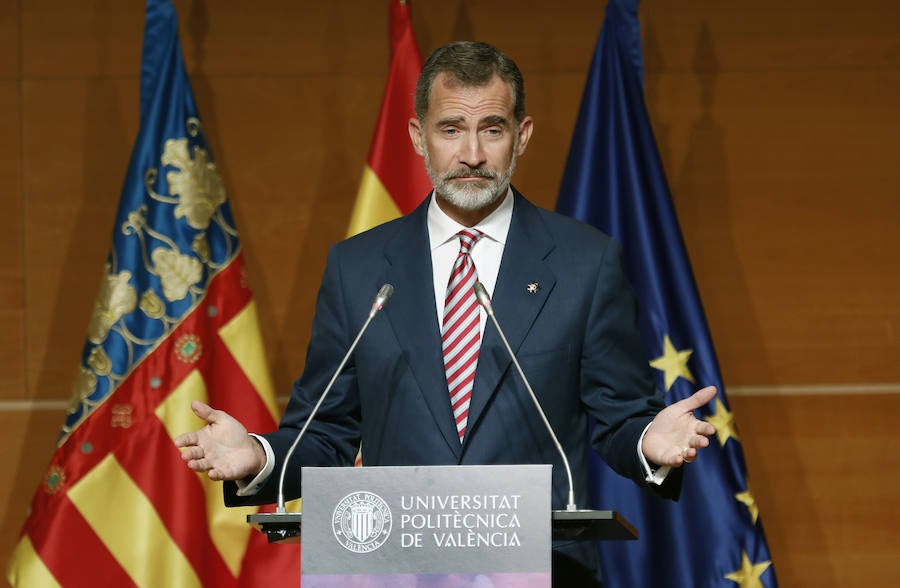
x=431, y=382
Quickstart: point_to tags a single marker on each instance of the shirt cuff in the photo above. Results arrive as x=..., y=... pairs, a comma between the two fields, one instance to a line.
x=252, y=487
x=657, y=476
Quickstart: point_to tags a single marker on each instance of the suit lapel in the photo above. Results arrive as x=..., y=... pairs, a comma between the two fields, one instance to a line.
x=413, y=317
x=515, y=305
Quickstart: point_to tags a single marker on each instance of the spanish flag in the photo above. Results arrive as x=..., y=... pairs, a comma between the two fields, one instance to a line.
x=174, y=321
x=394, y=180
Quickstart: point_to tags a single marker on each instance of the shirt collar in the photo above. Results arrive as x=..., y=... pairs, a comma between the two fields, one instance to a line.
x=495, y=226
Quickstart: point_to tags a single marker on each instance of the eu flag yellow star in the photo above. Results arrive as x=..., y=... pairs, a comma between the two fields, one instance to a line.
x=673, y=363
x=748, y=575
x=747, y=499
x=723, y=421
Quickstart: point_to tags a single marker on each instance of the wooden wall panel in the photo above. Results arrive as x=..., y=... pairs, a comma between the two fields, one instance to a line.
x=269, y=38
x=795, y=255
x=81, y=40
x=769, y=35
x=9, y=41
x=12, y=269
x=280, y=38
x=291, y=152
x=825, y=484
x=553, y=99
x=545, y=38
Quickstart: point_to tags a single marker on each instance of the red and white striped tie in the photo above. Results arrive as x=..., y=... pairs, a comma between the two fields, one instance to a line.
x=461, y=331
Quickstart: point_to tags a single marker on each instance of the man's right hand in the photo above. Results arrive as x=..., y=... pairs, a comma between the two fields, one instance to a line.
x=222, y=449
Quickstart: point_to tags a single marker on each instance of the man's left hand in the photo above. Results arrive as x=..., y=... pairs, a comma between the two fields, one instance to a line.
x=675, y=435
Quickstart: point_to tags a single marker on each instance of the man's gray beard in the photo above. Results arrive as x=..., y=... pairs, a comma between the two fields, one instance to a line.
x=469, y=195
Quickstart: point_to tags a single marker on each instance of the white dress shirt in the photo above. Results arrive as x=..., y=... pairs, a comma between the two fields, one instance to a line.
x=486, y=253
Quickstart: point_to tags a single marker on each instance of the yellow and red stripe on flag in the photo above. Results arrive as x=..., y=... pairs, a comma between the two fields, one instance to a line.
x=119, y=505
x=394, y=180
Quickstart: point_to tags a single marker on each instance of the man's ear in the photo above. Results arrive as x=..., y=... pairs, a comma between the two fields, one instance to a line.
x=524, y=130
x=415, y=135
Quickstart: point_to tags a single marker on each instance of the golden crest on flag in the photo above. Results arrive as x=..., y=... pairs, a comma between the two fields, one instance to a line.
x=84, y=385
x=116, y=299
x=197, y=182
x=200, y=246
x=177, y=272
x=99, y=362
x=152, y=305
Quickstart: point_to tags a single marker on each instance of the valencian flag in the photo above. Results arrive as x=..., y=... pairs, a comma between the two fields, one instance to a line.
x=394, y=180
x=614, y=180
x=174, y=321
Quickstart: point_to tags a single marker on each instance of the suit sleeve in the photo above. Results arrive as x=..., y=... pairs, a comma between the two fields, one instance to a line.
x=332, y=438
x=617, y=384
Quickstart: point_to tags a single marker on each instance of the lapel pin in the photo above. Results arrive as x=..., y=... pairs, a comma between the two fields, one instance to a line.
x=532, y=288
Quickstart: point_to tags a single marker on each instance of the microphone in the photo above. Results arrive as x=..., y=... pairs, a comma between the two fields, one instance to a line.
x=384, y=294
x=485, y=301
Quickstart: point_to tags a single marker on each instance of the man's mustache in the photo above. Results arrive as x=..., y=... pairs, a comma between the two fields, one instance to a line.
x=470, y=173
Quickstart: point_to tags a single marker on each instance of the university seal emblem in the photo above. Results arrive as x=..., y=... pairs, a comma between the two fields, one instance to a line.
x=361, y=522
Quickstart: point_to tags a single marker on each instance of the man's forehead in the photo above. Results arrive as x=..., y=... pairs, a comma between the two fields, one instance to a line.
x=451, y=83
x=451, y=98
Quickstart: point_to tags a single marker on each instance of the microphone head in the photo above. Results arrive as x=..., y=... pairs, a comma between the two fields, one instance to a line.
x=483, y=298
x=384, y=294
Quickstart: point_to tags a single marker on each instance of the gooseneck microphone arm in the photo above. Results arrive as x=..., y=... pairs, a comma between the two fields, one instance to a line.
x=485, y=301
x=381, y=299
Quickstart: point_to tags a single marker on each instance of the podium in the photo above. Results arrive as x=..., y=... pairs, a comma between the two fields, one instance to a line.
x=392, y=523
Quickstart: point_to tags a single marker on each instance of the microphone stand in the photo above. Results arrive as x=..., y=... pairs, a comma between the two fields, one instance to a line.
x=381, y=299
x=485, y=301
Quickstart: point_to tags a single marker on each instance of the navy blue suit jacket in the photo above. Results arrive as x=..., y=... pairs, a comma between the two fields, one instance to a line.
x=576, y=338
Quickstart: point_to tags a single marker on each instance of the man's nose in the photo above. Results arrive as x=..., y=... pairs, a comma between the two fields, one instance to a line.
x=471, y=151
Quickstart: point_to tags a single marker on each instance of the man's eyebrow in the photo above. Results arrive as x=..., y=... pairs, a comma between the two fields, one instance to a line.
x=450, y=120
x=488, y=121
x=494, y=120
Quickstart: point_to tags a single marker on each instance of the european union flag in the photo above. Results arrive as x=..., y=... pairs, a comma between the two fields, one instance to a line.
x=614, y=180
